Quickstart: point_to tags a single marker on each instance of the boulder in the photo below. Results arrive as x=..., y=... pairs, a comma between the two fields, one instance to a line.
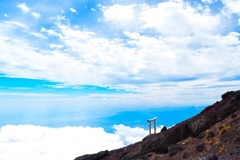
x=173, y=149
x=200, y=147
x=164, y=129
x=200, y=125
x=225, y=95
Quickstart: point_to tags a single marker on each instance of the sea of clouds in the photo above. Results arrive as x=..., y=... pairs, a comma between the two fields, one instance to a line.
x=25, y=142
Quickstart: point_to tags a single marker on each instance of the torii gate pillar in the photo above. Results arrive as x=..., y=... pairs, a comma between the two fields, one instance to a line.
x=150, y=125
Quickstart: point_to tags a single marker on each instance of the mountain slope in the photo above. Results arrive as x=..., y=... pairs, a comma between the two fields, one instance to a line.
x=214, y=134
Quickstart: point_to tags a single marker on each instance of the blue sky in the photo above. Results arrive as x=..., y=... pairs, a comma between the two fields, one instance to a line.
x=97, y=58
x=158, y=52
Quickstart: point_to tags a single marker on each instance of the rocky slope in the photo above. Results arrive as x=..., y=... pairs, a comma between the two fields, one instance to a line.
x=214, y=134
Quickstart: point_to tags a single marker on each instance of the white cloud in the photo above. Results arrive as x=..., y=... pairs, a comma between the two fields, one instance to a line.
x=43, y=29
x=118, y=13
x=92, y=9
x=37, y=142
x=32, y=95
x=39, y=35
x=181, y=44
x=24, y=7
x=14, y=24
x=138, y=60
x=51, y=32
x=209, y=1
x=34, y=63
x=168, y=18
x=232, y=6
x=36, y=15
x=73, y=10
x=56, y=46
x=6, y=15
x=179, y=18
x=60, y=18
x=130, y=135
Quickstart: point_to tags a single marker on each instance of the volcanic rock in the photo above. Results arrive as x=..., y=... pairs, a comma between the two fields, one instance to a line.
x=173, y=149
x=200, y=147
x=164, y=129
x=213, y=134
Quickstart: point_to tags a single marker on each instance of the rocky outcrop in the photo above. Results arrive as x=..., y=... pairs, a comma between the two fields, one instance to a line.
x=97, y=156
x=195, y=131
x=164, y=129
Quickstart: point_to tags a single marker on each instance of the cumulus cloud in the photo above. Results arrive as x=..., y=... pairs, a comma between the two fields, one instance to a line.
x=129, y=135
x=232, y=6
x=119, y=13
x=56, y=46
x=73, y=10
x=139, y=60
x=6, y=15
x=24, y=7
x=169, y=17
x=43, y=29
x=36, y=15
x=92, y=9
x=179, y=18
x=51, y=32
x=182, y=44
x=38, y=142
x=208, y=1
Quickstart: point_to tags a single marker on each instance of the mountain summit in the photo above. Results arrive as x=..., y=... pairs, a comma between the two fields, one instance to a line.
x=213, y=134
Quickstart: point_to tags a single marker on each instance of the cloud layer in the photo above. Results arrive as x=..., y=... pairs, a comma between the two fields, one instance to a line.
x=139, y=47
x=36, y=142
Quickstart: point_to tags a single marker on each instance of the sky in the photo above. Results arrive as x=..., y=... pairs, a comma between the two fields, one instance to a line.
x=96, y=58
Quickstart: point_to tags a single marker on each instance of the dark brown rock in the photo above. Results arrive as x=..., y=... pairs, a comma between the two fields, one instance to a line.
x=213, y=157
x=164, y=129
x=237, y=140
x=200, y=147
x=196, y=127
x=233, y=116
x=225, y=95
x=185, y=155
x=172, y=150
x=98, y=156
x=201, y=135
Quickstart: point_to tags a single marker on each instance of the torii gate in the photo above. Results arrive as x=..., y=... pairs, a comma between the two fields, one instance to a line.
x=150, y=125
